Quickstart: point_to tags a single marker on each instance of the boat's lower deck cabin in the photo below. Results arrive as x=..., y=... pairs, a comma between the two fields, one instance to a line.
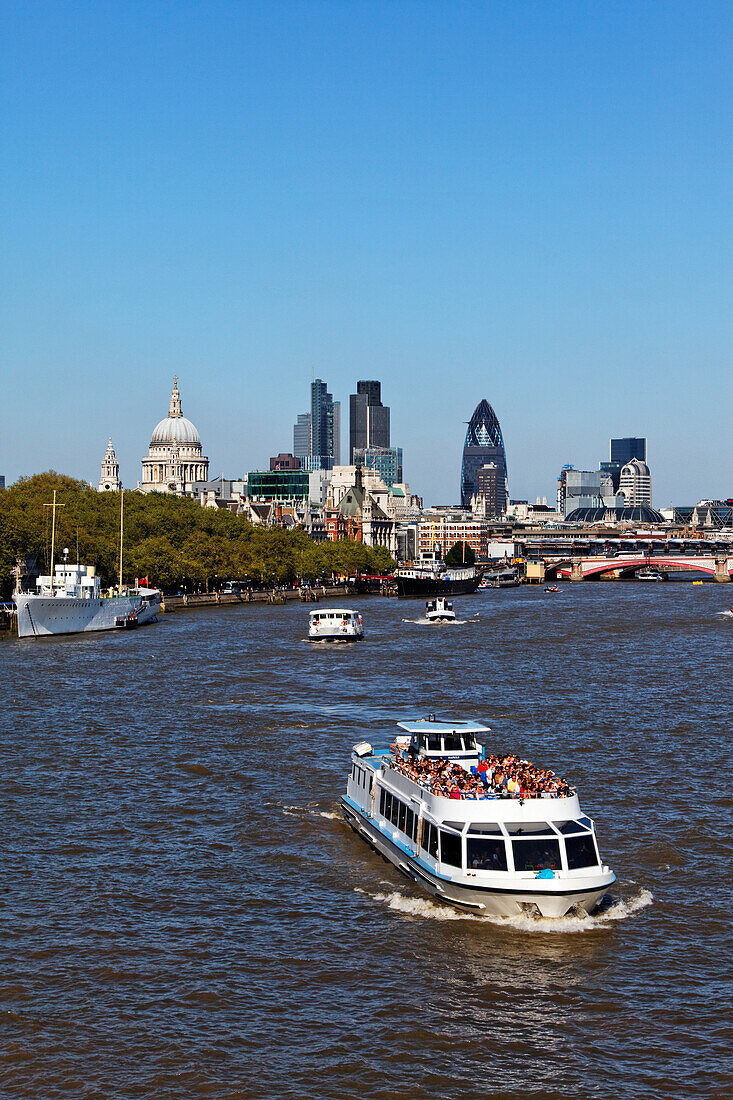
x=475, y=847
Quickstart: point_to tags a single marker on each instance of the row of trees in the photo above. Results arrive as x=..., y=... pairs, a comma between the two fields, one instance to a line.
x=173, y=542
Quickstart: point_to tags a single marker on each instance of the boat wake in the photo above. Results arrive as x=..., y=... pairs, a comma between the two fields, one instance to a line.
x=441, y=622
x=616, y=909
x=305, y=811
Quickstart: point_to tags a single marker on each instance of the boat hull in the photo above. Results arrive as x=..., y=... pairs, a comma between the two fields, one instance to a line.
x=552, y=900
x=335, y=637
x=408, y=587
x=44, y=615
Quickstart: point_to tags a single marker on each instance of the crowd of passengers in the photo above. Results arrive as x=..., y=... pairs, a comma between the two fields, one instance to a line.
x=494, y=777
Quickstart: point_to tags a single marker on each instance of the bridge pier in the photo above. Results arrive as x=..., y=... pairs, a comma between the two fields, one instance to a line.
x=721, y=569
x=576, y=570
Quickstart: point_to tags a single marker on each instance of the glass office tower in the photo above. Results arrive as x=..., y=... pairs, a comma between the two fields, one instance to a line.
x=484, y=444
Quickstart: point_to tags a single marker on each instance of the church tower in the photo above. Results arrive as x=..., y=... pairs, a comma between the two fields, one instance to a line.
x=109, y=478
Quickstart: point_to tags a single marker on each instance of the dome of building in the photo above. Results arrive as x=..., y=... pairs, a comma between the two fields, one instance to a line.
x=636, y=513
x=635, y=467
x=175, y=462
x=175, y=429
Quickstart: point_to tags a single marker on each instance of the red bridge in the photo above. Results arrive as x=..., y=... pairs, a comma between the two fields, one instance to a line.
x=719, y=566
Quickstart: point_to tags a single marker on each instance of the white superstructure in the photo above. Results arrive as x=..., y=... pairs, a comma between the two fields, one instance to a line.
x=439, y=610
x=73, y=602
x=335, y=624
x=501, y=854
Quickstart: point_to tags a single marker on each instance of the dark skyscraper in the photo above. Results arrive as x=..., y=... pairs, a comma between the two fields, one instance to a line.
x=368, y=418
x=622, y=451
x=325, y=426
x=484, y=445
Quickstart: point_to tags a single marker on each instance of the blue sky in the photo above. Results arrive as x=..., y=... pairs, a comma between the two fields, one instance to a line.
x=528, y=202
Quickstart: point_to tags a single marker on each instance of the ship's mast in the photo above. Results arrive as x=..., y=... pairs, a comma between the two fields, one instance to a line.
x=53, y=508
x=122, y=514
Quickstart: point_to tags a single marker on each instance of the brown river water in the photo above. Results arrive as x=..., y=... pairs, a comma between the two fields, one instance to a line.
x=183, y=913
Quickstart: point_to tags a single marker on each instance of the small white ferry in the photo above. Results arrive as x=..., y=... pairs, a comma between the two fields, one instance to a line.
x=436, y=806
x=335, y=624
x=439, y=610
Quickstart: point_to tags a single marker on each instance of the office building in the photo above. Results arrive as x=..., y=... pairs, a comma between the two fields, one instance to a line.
x=623, y=451
x=302, y=436
x=490, y=488
x=285, y=462
x=584, y=489
x=635, y=483
x=386, y=461
x=484, y=444
x=278, y=485
x=368, y=418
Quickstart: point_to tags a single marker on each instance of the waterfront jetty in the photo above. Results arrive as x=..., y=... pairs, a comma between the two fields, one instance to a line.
x=191, y=601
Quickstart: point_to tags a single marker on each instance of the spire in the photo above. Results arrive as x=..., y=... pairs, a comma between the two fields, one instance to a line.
x=175, y=405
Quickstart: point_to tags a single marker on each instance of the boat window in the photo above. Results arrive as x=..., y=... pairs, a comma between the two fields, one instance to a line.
x=485, y=827
x=382, y=799
x=571, y=826
x=528, y=828
x=452, y=743
x=469, y=742
x=388, y=806
x=581, y=852
x=450, y=849
x=486, y=855
x=457, y=825
x=402, y=817
x=409, y=822
x=433, y=743
x=430, y=839
x=423, y=742
x=536, y=855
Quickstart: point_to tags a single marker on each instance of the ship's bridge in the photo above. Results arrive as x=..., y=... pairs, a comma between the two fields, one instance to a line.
x=433, y=737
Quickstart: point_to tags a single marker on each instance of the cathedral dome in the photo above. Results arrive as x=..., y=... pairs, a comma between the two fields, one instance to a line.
x=176, y=428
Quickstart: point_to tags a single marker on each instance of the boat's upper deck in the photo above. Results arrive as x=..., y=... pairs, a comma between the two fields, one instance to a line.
x=444, y=760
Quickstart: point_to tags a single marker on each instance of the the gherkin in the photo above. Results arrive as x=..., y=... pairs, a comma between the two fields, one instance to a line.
x=484, y=446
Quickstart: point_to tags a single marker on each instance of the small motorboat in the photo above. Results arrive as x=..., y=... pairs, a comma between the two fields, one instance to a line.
x=439, y=610
x=552, y=588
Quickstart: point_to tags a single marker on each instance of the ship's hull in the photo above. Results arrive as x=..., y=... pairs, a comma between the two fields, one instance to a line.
x=408, y=587
x=335, y=636
x=488, y=900
x=43, y=615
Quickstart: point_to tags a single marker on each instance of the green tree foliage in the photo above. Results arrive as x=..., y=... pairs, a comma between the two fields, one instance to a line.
x=173, y=542
x=460, y=553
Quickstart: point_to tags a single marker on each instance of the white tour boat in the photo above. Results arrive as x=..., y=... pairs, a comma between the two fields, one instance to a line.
x=439, y=610
x=499, y=855
x=335, y=624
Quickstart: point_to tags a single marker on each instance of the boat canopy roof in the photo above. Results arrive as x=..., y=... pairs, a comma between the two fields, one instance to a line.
x=442, y=725
x=333, y=611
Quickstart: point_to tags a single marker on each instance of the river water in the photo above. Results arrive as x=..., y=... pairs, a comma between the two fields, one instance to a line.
x=184, y=914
